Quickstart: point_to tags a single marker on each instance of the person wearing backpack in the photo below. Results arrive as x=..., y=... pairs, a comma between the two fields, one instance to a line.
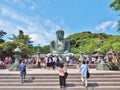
x=83, y=72
x=22, y=71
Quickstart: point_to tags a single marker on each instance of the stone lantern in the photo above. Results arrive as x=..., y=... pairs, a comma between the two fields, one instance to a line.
x=15, y=66
x=102, y=65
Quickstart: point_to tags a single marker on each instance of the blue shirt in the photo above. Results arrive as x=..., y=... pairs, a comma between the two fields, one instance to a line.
x=23, y=67
x=83, y=70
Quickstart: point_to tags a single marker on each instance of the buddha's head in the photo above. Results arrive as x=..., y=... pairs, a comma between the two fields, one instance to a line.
x=60, y=34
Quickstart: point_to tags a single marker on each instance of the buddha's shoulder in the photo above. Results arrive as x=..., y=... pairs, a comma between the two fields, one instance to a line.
x=66, y=40
x=53, y=42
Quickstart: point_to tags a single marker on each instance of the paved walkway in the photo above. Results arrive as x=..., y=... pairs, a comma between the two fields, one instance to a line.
x=51, y=71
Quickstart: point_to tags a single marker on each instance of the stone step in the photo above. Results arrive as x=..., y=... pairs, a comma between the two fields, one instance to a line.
x=70, y=84
x=56, y=77
x=54, y=87
x=97, y=81
x=105, y=76
x=58, y=88
x=55, y=74
x=68, y=80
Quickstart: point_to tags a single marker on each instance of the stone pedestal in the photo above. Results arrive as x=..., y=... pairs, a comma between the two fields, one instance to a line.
x=102, y=66
x=16, y=65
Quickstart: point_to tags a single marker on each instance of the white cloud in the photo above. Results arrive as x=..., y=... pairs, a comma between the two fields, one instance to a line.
x=8, y=26
x=114, y=25
x=39, y=39
x=16, y=2
x=4, y=23
x=34, y=37
x=104, y=25
x=14, y=15
x=38, y=34
x=41, y=30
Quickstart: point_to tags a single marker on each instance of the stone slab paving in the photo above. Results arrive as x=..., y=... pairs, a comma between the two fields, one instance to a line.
x=51, y=71
x=57, y=88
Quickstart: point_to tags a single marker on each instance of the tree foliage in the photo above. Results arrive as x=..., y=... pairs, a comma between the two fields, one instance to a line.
x=2, y=33
x=22, y=38
x=8, y=49
x=115, y=5
x=118, y=28
x=45, y=49
x=23, y=41
x=87, y=42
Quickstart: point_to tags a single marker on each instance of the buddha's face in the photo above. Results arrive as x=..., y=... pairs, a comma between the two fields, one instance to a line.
x=60, y=35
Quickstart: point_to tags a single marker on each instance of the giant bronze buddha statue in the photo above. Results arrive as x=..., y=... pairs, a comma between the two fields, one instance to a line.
x=60, y=45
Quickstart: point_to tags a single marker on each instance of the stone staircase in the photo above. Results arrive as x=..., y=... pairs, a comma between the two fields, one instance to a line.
x=97, y=81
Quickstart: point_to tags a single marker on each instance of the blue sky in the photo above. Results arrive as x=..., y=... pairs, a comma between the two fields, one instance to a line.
x=41, y=18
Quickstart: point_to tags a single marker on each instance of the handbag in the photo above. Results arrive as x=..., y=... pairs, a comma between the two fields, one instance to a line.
x=88, y=74
x=66, y=74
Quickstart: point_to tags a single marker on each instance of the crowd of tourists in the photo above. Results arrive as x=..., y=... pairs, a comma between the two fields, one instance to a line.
x=84, y=69
x=51, y=62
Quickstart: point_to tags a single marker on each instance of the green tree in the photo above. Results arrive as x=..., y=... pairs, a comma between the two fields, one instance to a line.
x=90, y=47
x=91, y=42
x=22, y=38
x=45, y=49
x=24, y=41
x=2, y=33
x=116, y=46
x=8, y=48
x=115, y=4
x=75, y=50
x=118, y=28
